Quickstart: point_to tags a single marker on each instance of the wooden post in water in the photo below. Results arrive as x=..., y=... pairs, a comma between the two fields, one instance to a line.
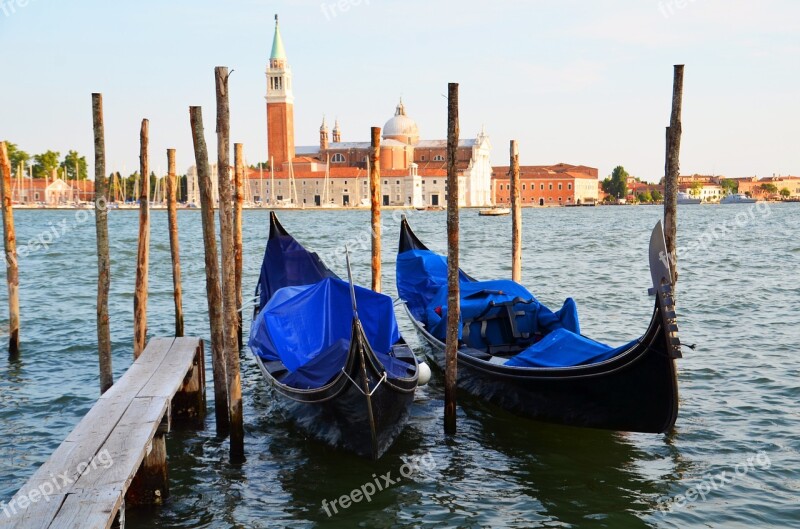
x=213, y=290
x=230, y=309
x=101, y=200
x=375, y=195
x=453, y=287
x=516, y=215
x=238, y=203
x=10, y=245
x=671, y=172
x=174, y=244
x=143, y=254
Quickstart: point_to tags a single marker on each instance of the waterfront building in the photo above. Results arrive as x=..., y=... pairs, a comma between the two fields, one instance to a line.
x=334, y=172
x=548, y=185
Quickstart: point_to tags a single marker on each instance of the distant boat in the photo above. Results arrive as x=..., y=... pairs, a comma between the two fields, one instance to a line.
x=493, y=212
x=737, y=198
x=685, y=198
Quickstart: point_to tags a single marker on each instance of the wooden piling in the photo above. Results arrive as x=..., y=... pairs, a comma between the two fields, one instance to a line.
x=10, y=246
x=375, y=195
x=238, y=203
x=230, y=309
x=143, y=254
x=453, y=287
x=672, y=170
x=101, y=200
x=516, y=215
x=213, y=289
x=174, y=245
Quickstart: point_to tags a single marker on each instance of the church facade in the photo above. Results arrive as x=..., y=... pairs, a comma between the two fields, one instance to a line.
x=335, y=172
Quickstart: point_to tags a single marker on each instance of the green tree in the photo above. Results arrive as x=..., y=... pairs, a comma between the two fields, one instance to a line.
x=71, y=160
x=695, y=189
x=785, y=193
x=616, y=185
x=17, y=156
x=656, y=195
x=729, y=186
x=645, y=197
x=769, y=188
x=43, y=164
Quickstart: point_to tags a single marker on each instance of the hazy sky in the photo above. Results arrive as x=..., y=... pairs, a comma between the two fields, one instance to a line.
x=584, y=82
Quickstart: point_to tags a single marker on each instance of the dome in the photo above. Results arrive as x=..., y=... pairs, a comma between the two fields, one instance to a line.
x=401, y=127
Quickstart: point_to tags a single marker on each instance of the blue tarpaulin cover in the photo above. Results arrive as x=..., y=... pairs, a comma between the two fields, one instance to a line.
x=422, y=284
x=286, y=263
x=308, y=328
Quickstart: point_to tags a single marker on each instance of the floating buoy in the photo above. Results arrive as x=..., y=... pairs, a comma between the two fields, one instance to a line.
x=424, y=374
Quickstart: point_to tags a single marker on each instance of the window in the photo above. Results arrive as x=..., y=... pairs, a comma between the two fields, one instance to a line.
x=523, y=186
x=434, y=182
x=559, y=188
x=398, y=183
x=551, y=187
x=569, y=186
x=422, y=158
x=338, y=158
x=345, y=183
x=438, y=158
x=542, y=187
x=386, y=182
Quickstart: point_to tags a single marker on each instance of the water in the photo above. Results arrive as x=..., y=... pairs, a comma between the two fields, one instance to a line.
x=738, y=300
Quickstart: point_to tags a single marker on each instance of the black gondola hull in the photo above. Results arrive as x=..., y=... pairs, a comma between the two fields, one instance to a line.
x=635, y=391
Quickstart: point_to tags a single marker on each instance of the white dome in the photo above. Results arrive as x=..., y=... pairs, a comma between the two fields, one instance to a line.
x=401, y=127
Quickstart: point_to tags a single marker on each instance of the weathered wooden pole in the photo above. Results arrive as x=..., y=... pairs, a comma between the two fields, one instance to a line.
x=103, y=258
x=174, y=244
x=143, y=254
x=213, y=290
x=672, y=170
x=238, y=203
x=453, y=287
x=10, y=245
x=230, y=309
x=516, y=215
x=375, y=194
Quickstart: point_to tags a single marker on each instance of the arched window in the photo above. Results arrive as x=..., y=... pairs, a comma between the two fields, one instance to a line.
x=438, y=158
x=338, y=158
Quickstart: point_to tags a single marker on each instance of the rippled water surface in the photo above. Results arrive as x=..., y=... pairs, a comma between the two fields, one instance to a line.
x=738, y=300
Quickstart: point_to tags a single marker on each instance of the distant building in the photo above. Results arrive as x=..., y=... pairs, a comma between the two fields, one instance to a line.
x=413, y=170
x=754, y=186
x=51, y=192
x=548, y=185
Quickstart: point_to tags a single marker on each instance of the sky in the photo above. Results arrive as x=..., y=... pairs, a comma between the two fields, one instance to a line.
x=584, y=82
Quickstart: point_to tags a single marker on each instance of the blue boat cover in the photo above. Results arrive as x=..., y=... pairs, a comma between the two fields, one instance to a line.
x=497, y=313
x=308, y=329
x=287, y=263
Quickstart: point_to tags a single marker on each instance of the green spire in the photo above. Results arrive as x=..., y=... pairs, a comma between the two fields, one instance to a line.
x=277, y=44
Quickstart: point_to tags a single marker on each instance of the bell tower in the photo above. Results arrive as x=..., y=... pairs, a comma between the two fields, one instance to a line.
x=280, y=103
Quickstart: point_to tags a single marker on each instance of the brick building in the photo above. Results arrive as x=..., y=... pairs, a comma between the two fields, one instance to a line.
x=548, y=185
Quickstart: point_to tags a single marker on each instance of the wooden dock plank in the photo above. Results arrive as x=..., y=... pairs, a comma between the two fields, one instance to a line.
x=164, y=383
x=89, y=509
x=87, y=476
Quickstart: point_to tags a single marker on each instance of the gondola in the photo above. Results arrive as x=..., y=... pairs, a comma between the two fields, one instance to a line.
x=515, y=352
x=332, y=351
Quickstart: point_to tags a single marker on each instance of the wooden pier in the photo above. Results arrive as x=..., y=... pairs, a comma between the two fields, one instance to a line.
x=116, y=455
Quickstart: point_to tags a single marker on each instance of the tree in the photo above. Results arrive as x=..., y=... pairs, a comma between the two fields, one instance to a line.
x=45, y=163
x=16, y=156
x=645, y=197
x=616, y=185
x=769, y=188
x=70, y=161
x=785, y=193
x=696, y=188
x=729, y=186
x=656, y=195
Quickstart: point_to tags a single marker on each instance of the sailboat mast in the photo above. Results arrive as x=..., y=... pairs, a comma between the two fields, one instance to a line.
x=271, y=180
